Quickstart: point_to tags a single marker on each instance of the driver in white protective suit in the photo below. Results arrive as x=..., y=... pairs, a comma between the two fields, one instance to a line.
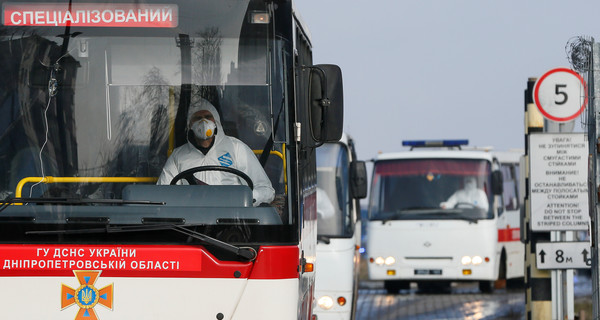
x=469, y=195
x=209, y=146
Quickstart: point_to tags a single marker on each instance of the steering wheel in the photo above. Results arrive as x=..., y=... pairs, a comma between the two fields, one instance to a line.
x=188, y=174
x=466, y=205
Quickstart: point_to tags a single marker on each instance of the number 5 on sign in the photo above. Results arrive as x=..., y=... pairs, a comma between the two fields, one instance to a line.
x=560, y=94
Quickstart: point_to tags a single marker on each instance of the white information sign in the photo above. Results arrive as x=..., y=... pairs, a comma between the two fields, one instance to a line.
x=558, y=186
x=563, y=255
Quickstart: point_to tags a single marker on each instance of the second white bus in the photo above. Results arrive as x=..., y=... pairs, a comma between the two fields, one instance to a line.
x=341, y=182
x=412, y=237
x=512, y=250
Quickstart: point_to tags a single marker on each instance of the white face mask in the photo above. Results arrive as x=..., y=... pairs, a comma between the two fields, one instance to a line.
x=204, y=129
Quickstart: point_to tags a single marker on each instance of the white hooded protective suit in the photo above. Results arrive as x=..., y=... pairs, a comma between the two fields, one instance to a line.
x=470, y=194
x=325, y=208
x=227, y=152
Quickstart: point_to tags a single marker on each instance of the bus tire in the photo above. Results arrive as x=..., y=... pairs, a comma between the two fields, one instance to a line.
x=501, y=282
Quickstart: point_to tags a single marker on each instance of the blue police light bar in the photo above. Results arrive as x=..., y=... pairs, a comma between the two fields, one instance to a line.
x=435, y=143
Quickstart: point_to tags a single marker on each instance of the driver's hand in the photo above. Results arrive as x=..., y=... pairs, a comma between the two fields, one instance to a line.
x=443, y=205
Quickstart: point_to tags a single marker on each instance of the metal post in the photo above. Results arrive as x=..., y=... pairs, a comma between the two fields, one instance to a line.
x=561, y=280
x=593, y=123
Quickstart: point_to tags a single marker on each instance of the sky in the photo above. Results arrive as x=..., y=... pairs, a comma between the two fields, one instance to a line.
x=442, y=69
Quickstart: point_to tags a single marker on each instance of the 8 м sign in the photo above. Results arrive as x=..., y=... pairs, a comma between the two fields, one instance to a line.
x=560, y=94
x=563, y=255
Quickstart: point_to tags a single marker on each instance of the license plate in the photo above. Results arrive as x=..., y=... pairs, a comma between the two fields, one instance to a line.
x=437, y=272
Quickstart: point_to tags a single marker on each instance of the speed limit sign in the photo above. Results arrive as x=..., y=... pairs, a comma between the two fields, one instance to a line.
x=560, y=94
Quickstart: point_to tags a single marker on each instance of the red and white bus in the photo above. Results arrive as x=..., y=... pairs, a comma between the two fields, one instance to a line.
x=94, y=98
x=425, y=228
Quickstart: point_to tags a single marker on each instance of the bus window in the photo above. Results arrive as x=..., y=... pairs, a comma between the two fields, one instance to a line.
x=511, y=180
x=333, y=194
x=411, y=189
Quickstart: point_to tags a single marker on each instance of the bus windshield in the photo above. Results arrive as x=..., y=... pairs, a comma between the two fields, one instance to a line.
x=420, y=189
x=101, y=89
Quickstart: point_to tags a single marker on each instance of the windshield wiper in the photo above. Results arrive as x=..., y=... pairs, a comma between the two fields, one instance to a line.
x=459, y=216
x=417, y=208
x=404, y=214
x=385, y=216
x=244, y=252
x=413, y=213
x=74, y=201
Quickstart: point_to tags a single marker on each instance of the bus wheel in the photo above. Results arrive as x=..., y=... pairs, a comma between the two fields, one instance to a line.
x=394, y=286
x=486, y=286
x=501, y=282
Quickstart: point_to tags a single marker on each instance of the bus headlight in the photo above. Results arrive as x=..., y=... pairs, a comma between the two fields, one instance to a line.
x=387, y=261
x=390, y=261
x=325, y=302
x=476, y=260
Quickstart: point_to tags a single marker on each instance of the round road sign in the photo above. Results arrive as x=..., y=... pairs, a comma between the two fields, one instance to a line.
x=560, y=94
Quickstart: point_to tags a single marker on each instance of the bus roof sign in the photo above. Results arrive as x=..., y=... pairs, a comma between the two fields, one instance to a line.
x=90, y=15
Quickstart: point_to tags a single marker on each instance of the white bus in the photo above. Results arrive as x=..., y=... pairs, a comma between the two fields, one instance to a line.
x=422, y=229
x=341, y=182
x=512, y=250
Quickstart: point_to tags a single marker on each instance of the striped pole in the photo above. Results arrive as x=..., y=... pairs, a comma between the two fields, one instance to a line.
x=538, y=284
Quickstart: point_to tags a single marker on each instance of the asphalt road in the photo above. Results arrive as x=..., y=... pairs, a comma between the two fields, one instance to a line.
x=464, y=301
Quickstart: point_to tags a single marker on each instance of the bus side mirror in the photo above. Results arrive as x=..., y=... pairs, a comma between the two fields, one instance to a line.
x=326, y=103
x=358, y=179
x=497, y=182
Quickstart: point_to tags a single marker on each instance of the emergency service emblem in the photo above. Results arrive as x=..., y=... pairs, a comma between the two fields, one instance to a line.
x=226, y=160
x=86, y=296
